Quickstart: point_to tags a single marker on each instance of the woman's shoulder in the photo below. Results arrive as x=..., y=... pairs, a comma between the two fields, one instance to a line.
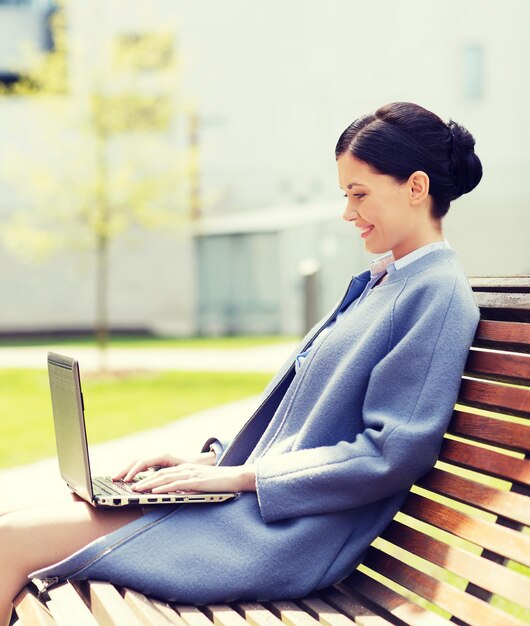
x=440, y=285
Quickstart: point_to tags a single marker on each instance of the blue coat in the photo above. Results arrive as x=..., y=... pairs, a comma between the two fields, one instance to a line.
x=336, y=449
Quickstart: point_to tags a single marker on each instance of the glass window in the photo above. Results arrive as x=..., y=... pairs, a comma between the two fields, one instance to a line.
x=473, y=71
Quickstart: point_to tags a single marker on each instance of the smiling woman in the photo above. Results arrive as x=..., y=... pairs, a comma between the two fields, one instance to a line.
x=401, y=167
x=352, y=419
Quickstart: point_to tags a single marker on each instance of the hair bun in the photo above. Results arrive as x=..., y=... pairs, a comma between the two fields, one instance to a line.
x=465, y=164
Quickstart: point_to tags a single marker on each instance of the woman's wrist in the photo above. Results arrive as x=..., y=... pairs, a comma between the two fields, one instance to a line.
x=206, y=458
x=247, y=478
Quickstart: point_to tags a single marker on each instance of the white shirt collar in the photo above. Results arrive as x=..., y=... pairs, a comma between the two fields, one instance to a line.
x=386, y=263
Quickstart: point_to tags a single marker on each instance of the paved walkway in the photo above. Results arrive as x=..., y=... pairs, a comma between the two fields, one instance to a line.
x=253, y=359
x=179, y=437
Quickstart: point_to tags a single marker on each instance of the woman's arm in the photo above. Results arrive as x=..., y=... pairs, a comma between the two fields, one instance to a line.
x=407, y=406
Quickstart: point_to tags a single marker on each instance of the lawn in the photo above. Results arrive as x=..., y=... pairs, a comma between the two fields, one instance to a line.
x=116, y=406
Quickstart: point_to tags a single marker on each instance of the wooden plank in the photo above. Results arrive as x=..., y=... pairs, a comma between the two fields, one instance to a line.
x=504, y=366
x=192, y=616
x=349, y=605
x=482, y=572
x=505, y=503
x=504, y=541
x=504, y=300
x=495, y=396
x=172, y=616
x=223, y=615
x=256, y=614
x=323, y=612
x=491, y=430
x=487, y=461
x=492, y=283
x=30, y=611
x=67, y=602
x=447, y=597
x=109, y=607
x=506, y=333
x=59, y=618
x=400, y=609
x=290, y=614
x=145, y=611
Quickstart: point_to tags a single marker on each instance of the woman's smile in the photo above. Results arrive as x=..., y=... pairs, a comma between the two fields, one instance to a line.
x=366, y=230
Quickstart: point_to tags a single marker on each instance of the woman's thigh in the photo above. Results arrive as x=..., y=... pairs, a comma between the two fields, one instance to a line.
x=36, y=537
x=37, y=499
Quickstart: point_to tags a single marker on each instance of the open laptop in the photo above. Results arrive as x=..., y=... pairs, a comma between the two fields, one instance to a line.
x=72, y=447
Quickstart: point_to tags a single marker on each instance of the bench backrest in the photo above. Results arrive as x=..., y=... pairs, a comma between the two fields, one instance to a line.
x=461, y=544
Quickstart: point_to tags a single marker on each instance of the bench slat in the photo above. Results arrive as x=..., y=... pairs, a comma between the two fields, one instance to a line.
x=256, y=614
x=499, y=539
x=505, y=333
x=396, y=605
x=508, y=367
x=495, y=396
x=66, y=602
x=489, y=462
x=224, y=615
x=192, y=616
x=484, y=573
x=516, y=282
x=144, y=610
x=504, y=503
x=324, y=613
x=492, y=300
x=30, y=611
x=491, y=430
x=108, y=606
x=457, y=602
x=290, y=614
x=350, y=606
x=172, y=616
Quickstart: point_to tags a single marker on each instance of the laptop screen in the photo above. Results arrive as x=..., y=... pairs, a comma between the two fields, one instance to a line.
x=70, y=434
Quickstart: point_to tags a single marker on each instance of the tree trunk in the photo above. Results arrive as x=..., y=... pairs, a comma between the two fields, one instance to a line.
x=102, y=291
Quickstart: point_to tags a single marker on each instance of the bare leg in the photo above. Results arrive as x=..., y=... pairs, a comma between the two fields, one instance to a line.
x=39, y=536
x=65, y=496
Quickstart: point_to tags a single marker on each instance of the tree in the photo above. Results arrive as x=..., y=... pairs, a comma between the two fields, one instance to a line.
x=114, y=155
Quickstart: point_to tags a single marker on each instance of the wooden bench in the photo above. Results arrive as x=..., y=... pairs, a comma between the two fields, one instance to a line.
x=457, y=552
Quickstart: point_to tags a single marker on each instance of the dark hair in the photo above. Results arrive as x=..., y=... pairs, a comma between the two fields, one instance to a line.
x=401, y=137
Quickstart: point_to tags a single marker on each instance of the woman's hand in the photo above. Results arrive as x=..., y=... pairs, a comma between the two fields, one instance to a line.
x=199, y=477
x=166, y=460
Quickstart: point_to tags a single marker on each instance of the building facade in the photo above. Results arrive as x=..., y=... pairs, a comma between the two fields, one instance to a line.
x=263, y=92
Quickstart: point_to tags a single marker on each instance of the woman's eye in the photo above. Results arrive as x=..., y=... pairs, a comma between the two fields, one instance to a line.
x=356, y=195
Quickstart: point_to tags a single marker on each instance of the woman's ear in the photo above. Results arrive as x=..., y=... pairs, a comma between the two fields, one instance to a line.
x=418, y=186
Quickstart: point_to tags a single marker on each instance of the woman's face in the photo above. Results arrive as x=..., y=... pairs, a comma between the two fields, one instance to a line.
x=384, y=210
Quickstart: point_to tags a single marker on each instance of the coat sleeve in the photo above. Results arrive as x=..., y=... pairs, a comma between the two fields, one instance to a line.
x=217, y=446
x=408, y=403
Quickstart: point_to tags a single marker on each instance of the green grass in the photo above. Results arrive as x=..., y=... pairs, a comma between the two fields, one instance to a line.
x=115, y=406
x=146, y=341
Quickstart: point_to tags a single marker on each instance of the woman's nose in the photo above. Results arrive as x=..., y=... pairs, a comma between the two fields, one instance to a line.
x=350, y=214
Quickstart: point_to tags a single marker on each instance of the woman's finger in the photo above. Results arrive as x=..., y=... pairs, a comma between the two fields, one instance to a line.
x=124, y=472
x=162, y=477
x=141, y=465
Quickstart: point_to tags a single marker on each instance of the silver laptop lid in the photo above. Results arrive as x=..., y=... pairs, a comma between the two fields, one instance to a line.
x=70, y=434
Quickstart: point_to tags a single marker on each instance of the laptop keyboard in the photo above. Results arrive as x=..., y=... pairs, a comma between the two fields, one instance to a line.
x=108, y=487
